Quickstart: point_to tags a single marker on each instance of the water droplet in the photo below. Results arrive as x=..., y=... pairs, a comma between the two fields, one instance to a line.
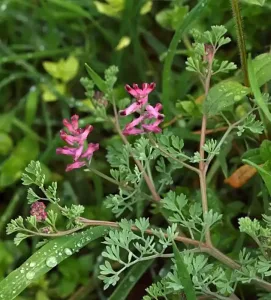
x=68, y=251
x=237, y=98
x=22, y=270
x=51, y=262
x=30, y=275
x=32, y=264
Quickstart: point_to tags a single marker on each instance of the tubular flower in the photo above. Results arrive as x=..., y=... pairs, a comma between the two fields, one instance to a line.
x=148, y=113
x=76, y=138
x=38, y=210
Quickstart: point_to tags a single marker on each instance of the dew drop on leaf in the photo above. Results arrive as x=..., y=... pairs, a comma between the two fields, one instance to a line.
x=30, y=275
x=51, y=262
x=68, y=251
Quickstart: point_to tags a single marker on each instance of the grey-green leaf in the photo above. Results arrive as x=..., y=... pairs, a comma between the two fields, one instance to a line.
x=45, y=259
x=223, y=95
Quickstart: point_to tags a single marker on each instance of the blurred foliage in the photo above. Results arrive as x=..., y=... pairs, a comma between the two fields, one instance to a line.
x=44, y=45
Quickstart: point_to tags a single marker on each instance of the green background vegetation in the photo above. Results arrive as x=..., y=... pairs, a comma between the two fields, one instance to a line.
x=44, y=45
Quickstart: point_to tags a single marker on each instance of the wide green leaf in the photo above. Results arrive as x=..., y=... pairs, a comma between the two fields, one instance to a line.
x=256, y=90
x=130, y=280
x=183, y=275
x=262, y=68
x=46, y=258
x=223, y=95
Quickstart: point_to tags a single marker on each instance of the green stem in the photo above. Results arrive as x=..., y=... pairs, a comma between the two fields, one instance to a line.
x=240, y=38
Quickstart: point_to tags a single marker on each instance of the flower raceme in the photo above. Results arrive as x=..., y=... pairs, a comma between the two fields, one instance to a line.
x=76, y=138
x=147, y=113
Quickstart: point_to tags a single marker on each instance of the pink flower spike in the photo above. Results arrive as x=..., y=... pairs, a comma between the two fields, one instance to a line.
x=38, y=210
x=153, y=112
x=130, y=109
x=137, y=92
x=75, y=165
x=90, y=150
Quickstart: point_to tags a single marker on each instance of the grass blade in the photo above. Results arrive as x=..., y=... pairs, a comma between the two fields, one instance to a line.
x=96, y=78
x=264, y=171
x=182, y=27
x=184, y=275
x=256, y=90
x=130, y=280
x=45, y=259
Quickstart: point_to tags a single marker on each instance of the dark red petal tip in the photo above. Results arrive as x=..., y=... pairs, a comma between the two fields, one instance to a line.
x=127, y=87
x=152, y=85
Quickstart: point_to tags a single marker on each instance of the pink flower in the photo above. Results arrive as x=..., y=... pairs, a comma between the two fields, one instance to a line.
x=73, y=125
x=139, y=93
x=153, y=127
x=154, y=111
x=130, y=109
x=75, y=165
x=146, y=111
x=90, y=150
x=75, y=152
x=76, y=137
x=38, y=210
